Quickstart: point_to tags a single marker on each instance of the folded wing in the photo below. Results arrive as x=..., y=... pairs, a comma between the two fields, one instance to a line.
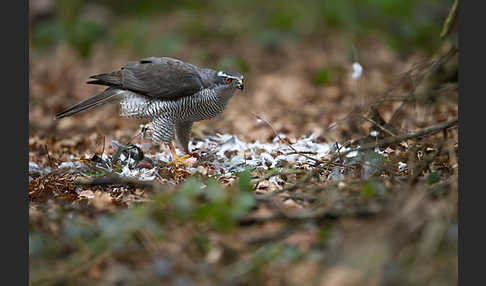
x=163, y=78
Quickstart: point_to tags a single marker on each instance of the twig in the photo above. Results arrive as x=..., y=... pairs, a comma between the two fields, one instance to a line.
x=422, y=73
x=118, y=180
x=387, y=141
x=300, y=196
x=303, y=181
x=103, y=150
x=50, y=161
x=425, y=163
x=377, y=125
x=320, y=216
x=283, y=173
x=450, y=20
x=283, y=233
x=143, y=129
x=422, y=132
x=356, y=109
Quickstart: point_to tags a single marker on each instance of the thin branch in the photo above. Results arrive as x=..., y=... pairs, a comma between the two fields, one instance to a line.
x=103, y=150
x=417, y=76
x=377, y=125
x=422, y=132
x=450, y=20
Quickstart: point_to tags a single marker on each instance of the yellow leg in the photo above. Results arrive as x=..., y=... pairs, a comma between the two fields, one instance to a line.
x=176, y=160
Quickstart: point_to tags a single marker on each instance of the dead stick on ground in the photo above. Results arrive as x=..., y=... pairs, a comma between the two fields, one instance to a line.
x=117, y=180
x=273, y=174
x=320, y=216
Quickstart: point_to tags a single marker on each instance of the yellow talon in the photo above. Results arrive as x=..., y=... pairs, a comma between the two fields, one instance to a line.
x=176, y=160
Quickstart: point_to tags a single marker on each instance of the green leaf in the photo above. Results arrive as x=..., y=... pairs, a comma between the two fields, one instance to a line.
x=372, y=188
x=191, y=187
x=323, y=235
x=95, y=174
x=243, y=203
x=215, y=193
x=291, y=252
x=367, y=191
x=283, y=20
x=83, y=34
x=201, y=240
x=183, y=200
x=183, y=205
x=79, y=228
x=433, y=177
x=244, y=181
x=373, y=159
x=321, y=77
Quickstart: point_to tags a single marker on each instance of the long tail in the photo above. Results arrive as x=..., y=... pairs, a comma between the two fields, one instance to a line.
x=109, y=79
x=106, y=96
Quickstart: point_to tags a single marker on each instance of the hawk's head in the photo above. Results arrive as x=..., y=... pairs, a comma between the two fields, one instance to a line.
x=231, y=79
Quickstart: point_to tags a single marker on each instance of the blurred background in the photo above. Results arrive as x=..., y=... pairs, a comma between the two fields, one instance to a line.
x=296, y=55
x=297, y=59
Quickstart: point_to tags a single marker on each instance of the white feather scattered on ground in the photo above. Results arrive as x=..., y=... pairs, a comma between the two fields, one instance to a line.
x=357, y=70
x=241, y=156
x=402, y=166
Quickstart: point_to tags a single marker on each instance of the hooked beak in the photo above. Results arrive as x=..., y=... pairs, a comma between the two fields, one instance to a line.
x=240, y=84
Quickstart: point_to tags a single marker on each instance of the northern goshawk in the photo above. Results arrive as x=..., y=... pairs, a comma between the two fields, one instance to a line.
x=171, y=93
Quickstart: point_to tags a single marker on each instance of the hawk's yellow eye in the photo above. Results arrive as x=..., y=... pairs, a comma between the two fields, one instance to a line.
x=228, y=80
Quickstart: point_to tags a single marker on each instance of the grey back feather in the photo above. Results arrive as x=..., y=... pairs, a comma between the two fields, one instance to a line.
x=164, y=78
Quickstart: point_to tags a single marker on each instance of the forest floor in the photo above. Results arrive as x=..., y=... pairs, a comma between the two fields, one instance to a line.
x=309, y=177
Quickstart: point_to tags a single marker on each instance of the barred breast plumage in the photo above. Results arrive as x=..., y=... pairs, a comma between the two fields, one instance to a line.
x=203, y=105
x=165, y=114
